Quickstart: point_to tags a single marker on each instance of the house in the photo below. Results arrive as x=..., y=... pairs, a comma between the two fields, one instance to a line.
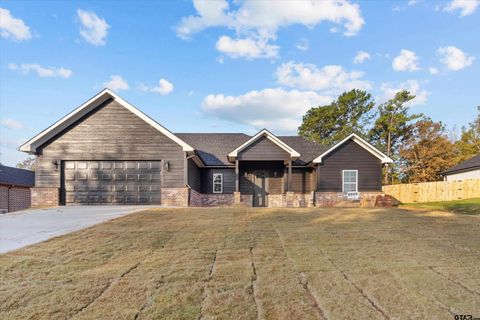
x=15, y=187
x=108, y=152
x=469, y=169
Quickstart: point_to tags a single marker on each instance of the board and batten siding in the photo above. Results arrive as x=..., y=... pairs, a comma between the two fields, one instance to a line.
x=263, y=149
x=350, y=156
x=194, y=176
x=228, y=179
x=110, y=132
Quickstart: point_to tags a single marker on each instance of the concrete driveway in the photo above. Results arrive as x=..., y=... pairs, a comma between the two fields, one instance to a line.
x=31, y=226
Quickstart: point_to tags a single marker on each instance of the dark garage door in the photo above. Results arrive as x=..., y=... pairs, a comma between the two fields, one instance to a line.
x=111, y=182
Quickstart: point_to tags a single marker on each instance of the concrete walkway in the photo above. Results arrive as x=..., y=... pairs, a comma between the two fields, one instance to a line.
x=35, y=225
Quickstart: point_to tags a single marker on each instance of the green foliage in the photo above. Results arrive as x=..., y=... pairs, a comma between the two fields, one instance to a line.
x=28, y=163
x=469, y=143
x=351, y=112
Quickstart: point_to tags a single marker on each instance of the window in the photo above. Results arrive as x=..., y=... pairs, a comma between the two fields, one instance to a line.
x=350, y=181
x=217, y=183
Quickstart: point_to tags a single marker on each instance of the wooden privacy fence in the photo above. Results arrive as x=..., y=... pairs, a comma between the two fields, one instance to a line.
x=434, y=191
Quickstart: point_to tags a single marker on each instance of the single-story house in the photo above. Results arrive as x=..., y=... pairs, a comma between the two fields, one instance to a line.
x=469, y=169
x=108, y=152
x=15, y=187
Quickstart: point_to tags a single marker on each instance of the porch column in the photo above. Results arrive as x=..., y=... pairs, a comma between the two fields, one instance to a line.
x=237, y=176
x=289, y=176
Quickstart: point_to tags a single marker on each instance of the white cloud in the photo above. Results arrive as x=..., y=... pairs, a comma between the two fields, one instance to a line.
x=433, y=70
x=25, y=68
x=260, y=20
x=13, y=28
x=361, y=57
x=11, y=124
x=94, y=29
x=413, y=86
x=454, y=58
x=406, y=61
x=116, y=83
x=247, y=48
x=330, y=79
x=413, y=2
x=466, y=7
x=164, y=87
x=265, y=18
x=273, y=108
x=302, y=44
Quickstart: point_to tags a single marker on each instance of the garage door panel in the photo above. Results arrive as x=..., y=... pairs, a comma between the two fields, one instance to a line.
x=112, y=182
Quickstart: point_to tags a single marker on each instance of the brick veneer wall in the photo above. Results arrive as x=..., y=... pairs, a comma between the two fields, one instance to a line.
x=334, y=199
x=19, y=199
x=174, y=197
x=45, y=197
x=211, y=200
x=291, y=200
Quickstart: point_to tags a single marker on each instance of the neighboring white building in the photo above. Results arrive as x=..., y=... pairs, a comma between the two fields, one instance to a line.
x=469, y=169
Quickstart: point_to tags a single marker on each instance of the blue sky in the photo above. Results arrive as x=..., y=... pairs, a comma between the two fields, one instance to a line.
x=232, y=67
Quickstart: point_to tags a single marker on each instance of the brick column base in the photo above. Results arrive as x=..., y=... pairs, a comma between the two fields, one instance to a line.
x=45, y=197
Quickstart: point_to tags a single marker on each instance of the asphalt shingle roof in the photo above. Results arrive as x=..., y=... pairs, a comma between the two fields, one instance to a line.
x=465, y=165
x=213, y=148
x=15, y=176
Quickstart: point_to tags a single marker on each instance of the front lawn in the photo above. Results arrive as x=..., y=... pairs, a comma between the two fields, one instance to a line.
x=251, y=264
x=468, y=206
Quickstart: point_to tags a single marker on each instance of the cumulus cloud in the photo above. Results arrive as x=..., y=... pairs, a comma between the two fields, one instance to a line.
x=11, y=124
x=433, y=70
x=406, y=61
x=330, y=78
x=361, y=57
x=413, y=86
x=260, y=20
x=302, y=44
x=247, y=48
x=164, y=87
x=13, y=28
x=454, y=58
x=26, y=68
x=94, y=29
x=466, y=7
x=116, y=83
x=274, y=108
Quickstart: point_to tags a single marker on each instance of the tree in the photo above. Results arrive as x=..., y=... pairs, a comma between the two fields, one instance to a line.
x=469, y=143
x=28, y=163
x=393, y=125
x=331, y=123
x=426, y=152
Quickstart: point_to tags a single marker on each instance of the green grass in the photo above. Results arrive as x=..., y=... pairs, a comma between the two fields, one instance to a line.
x=468, y=206
x=240, y=263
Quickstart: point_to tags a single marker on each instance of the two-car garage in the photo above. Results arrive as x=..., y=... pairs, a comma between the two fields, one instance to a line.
x=111, y=182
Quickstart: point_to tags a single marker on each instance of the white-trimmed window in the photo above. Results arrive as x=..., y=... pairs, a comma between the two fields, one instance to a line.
x=218, y=183
x=350, y=181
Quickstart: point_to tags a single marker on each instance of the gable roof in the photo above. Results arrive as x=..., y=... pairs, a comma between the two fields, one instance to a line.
x=16, y=177
x=47, y=134
x=467, y=165
x=364, y=144
x=213, y=148
x=270, y=136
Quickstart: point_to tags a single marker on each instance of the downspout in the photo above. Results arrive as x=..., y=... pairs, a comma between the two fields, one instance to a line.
x=186, y=168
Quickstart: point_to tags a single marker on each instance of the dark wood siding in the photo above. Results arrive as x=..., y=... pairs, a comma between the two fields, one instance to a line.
x=274, y=172
x=263, y=149
x=303, y=180
x=228, y=180
x=194, y=176
x=110, y=132
x=350, y=156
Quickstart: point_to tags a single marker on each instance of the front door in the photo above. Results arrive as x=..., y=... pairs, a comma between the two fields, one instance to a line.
x=259, y=188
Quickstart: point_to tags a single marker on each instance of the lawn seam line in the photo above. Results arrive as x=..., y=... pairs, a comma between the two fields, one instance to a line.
x=303, y=281
x=433, y=268
x=111, y=284
x=253, y=280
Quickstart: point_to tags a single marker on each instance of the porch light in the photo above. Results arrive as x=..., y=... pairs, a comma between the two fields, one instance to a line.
x=55, y=163
x=167, y=165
